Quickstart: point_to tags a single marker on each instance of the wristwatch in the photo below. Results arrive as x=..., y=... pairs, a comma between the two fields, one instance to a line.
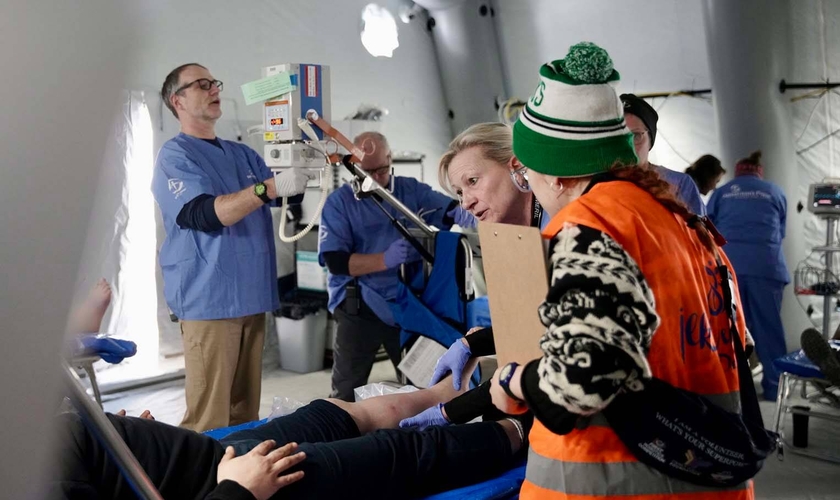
x=505, y=377
x=260, y=190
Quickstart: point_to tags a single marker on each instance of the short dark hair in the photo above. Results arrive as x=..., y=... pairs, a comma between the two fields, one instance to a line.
x=706, y=167
x=705, y=172
x=170, y=84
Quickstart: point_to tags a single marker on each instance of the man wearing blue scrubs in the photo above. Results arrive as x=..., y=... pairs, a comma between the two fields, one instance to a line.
x=641, y=119
x=751, y=213
x=218, y=257
x=362, y=252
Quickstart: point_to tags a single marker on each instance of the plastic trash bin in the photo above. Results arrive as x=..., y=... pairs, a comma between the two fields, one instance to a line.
x=301, y=325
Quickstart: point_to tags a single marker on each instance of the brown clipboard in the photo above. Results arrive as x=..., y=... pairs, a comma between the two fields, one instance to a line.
x=517, y=282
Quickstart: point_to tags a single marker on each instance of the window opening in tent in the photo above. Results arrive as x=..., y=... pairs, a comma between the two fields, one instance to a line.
x=136, y=279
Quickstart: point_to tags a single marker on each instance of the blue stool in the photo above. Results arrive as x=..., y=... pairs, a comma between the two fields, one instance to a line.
x=795, y=368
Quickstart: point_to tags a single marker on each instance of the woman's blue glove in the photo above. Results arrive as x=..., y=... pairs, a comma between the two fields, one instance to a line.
x=453, y=360
x=427, y=418
x=462, y=217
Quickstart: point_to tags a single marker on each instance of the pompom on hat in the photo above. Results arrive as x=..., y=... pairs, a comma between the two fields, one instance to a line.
x=573, y=125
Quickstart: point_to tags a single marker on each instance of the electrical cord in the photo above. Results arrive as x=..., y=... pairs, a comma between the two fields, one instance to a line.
x=811, y=116
x=824, y=138
x=802, y=269
x=326, y=181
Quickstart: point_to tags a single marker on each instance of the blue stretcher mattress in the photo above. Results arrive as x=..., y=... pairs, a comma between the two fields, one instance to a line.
x=504, y=487
x=797, y=363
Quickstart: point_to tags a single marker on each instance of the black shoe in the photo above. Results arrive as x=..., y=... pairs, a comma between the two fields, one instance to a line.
x=822, y=355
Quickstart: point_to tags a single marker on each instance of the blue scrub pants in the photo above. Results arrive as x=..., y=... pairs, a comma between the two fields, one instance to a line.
x=762, y=302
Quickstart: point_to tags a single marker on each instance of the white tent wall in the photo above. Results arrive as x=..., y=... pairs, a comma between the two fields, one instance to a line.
x=815, y=58
x=656, y=45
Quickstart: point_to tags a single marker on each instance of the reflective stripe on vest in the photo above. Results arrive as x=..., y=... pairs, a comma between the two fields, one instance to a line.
x=608, y=479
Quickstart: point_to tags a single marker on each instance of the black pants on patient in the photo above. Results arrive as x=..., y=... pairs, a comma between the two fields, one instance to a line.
x=392, y=463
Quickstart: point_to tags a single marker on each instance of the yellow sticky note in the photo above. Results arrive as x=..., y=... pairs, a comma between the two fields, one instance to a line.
x=266, y=88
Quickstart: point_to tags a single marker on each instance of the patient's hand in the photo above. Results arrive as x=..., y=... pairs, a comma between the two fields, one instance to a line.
x=259, y=470
x=473, y=330
x=146, y=414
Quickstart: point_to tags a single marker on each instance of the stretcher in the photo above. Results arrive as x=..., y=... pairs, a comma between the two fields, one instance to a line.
x=821, y=402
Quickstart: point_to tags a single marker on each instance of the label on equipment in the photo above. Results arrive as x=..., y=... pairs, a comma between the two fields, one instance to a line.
x=311, y=86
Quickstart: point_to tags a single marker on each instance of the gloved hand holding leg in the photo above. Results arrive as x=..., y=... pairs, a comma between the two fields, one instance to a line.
x=454, y=360
x=427, y=418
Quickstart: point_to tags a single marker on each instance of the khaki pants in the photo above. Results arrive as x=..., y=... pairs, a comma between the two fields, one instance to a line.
x=223, y=371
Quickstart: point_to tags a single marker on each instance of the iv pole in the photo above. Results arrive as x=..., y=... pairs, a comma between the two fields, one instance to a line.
x=829, y=250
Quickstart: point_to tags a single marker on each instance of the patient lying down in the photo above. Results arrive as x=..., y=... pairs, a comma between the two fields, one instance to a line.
x=330, y=448
x=327, y=449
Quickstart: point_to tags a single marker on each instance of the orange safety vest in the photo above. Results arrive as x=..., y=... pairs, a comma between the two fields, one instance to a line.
x=692, y=349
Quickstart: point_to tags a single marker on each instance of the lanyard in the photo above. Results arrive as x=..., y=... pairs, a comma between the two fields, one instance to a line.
x=536, y=212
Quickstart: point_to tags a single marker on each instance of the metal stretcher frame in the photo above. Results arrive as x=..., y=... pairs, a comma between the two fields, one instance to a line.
x=94, y=418
x=787, y=385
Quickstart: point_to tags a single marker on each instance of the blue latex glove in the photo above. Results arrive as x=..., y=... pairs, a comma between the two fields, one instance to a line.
x=453, y=360
x=109, y=349
x=462, y=217
x=400, y=252
x=427, y=418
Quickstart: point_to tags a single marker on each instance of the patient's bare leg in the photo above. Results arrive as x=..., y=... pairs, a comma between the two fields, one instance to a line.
x=88, y=316
x=385, y=412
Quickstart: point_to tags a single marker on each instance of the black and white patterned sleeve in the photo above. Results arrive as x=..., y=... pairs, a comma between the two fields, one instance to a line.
x=600, y=316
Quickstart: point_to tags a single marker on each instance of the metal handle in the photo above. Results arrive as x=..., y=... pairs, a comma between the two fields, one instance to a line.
x=104, y=432
x=387, y=196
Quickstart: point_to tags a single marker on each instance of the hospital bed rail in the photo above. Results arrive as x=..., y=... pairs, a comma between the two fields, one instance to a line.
x=98, y=424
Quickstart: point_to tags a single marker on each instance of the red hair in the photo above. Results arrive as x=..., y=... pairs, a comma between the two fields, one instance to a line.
x=649, y=180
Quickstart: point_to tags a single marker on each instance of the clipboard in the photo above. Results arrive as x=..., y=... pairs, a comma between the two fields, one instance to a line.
x=517, y=283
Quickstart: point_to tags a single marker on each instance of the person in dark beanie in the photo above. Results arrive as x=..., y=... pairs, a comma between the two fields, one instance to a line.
x=751, y=212
x=641, y=119
x=706, y=172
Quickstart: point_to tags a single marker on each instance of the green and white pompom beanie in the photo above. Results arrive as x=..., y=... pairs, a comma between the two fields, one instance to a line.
x=573, y=125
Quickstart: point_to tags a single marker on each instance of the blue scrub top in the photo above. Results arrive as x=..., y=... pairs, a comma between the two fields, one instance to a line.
x=359, y=226
x=686, y=188
x=751, y=213
x=229, y=273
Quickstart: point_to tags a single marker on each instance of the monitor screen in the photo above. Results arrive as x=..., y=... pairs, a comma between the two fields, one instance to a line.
x=826, y=195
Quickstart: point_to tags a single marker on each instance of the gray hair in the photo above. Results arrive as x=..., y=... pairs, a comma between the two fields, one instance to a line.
x=170, y=84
